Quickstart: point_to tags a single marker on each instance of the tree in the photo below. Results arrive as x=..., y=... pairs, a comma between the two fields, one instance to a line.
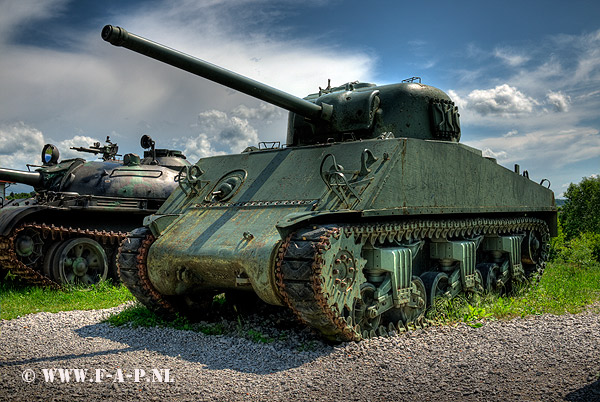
x=581, y=212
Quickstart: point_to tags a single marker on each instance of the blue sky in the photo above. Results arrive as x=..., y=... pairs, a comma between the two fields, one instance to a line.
x=526, y=75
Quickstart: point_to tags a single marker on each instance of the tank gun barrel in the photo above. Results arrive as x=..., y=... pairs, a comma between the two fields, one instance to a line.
x=120, y=37
x=19, y=176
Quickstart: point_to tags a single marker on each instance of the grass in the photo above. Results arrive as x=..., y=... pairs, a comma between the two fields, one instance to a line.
x=17, y=300
x=258, y=337
x=139, y=316
x=564, y=288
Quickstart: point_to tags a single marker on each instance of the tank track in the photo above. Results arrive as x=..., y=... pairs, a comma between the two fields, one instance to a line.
x=9, y=260
x=300, y=265
x=132, y=269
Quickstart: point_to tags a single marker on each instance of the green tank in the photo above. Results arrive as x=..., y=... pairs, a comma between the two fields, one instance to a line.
x=69, y=232
x=372, y=210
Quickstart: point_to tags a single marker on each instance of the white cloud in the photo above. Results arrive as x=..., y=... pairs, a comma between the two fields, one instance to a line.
x=197, y=147
x=89, y=88
x=488, y=153
x=457, y=99
x=232, y=36
x=222, y=133
x=559, y=100
x=586, y=49
x=501, y=100
x=546, y=149
x=549, y=121
x=234, y=132
x=510, y=56
x=15, y=13
x=66, y=152
x=264, y=112
x=20, y=144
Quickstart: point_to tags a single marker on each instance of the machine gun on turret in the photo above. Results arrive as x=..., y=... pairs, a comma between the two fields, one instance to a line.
x=108, y=151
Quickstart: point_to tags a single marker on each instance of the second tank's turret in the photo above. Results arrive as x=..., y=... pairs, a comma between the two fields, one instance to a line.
x=109, y=177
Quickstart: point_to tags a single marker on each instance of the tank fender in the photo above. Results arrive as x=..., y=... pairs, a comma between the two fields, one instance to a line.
x=12, y=216
x=159, y=223
x=295, y=220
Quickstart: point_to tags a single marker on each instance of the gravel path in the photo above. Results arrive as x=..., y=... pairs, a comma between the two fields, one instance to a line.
x=543, y=358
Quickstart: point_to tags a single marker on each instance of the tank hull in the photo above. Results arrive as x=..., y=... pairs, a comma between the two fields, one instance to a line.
x=234, y=244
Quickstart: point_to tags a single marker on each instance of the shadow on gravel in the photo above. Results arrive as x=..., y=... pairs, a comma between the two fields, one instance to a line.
x=213, y=352
x=63, y=357
x=589, y=393
x=267, y=340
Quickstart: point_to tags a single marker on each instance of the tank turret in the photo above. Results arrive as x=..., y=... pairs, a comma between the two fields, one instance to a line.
x=111, y=177
x=351, y=111
x=372, y=212
x=71, y=228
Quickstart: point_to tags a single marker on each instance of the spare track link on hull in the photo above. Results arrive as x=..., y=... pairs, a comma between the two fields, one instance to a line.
x=131, y=264
x=31, y=276
x=310, y=294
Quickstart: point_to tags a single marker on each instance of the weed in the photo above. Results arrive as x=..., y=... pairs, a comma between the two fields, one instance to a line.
x=135, y=316
x=475, y=313
x=309, y=346
x=139, y=316
x=564, y=287
x=219, y=299
x=258, y=337
x=212, y=329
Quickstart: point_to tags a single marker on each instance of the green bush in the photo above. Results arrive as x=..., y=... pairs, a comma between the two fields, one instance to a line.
x=557, y=244
x=581, y=212
x=581, y=252
x=578, y=240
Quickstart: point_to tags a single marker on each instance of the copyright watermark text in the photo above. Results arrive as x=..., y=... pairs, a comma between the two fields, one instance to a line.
x=78, y=375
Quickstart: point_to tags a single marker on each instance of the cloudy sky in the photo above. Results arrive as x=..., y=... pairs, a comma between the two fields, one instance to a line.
x=526, y=75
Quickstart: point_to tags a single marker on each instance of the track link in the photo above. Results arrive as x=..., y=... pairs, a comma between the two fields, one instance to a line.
x=301, y=281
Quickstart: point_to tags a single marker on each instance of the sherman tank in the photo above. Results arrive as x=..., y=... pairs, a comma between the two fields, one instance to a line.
x=371, y=211
x=69, y=232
